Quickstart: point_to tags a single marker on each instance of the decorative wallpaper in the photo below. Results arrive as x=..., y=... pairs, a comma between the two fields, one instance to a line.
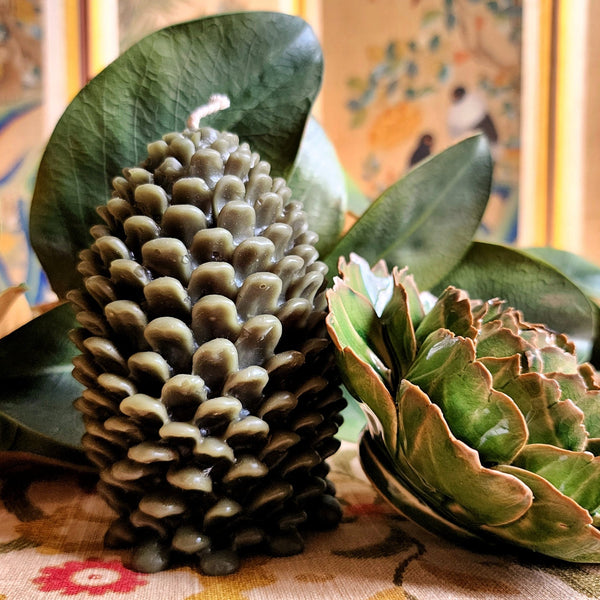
x=407, y=78
x=21, y=119
x=138, y=18
x=404, y=79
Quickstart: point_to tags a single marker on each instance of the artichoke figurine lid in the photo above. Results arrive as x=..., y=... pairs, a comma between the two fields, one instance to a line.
x=482, y=426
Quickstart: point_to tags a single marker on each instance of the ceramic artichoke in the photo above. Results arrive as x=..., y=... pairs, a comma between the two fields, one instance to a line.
x=481, y=426
x=211, y=397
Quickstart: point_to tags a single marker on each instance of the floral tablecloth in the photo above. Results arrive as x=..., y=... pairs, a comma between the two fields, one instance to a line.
x=52, y=523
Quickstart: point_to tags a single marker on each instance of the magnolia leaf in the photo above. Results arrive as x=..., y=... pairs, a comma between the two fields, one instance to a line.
x=318, y=181
x=14, y=309
x=37, y=391
x=542, y=293
x=357, y=201
x=270, y=67
x=579, y=270
x=555, y=524
x=427, y=220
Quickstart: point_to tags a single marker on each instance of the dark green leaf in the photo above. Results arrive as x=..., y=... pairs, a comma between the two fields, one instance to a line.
x=542, y=293
x=37, y=391
x=426, y=220
x=270, y=66
x=579, y=270
x=318, y=180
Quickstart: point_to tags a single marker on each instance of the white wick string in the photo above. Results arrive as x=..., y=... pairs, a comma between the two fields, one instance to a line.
x=215, y=103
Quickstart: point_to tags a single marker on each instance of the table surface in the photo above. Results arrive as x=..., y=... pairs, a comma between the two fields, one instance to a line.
x=52, y=523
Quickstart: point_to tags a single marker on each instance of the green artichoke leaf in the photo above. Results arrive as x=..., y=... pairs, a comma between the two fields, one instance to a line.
x=555, y=359
x=428, y=218
x=452, y=311
x=573, y=387
x=575, y=474
x=398, y=330
x=550, y=358
x=355, y=324
x=550, y=420
x=375, y=284
x=447, y=471
x=503, y=369
x=366, y=386
x=541, y=292
x=487, y=420
x=388, y=476
x=416, y=307
x=37, y=391
x=318, y=181
x=554, y=525
x=497, y=341
x=269, y=65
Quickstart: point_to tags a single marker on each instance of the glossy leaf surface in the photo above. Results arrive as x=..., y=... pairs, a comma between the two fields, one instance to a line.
x=575, y=474
x=550, y=420
x=579, y=270
x=426, y=220
x=319, y=182
x=449, y=467
x=495, y=422
x=268, y=64
x=354, y=323
x=367, y=387
x=445, y=368
x=37, y=391
x=554, y=525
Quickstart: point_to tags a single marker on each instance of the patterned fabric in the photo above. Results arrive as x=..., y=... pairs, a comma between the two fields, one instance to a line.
x=52, y=523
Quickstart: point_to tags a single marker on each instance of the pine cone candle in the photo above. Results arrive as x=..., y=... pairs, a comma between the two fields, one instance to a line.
x=211, y=398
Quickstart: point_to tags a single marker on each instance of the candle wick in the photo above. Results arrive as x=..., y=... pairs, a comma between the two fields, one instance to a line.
x=215, y=103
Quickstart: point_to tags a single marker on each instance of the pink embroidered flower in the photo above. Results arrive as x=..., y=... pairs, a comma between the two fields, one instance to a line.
x=95, y=577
